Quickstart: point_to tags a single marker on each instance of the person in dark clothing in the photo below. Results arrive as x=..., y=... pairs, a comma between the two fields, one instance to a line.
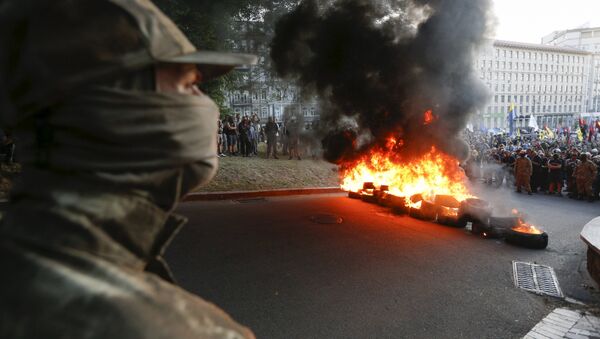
x=570, y=166
x=536, y=178
x=244, y=133
x=271, y=130
x=555, y=173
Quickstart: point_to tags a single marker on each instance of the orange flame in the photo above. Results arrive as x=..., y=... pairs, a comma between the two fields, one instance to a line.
x=433, y=173
x=428, y=117
x=524, y=227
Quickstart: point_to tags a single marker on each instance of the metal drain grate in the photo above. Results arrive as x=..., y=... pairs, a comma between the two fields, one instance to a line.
x=538, y=279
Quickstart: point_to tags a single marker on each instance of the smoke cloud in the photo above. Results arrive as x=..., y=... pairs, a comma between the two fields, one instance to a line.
x=378, y=66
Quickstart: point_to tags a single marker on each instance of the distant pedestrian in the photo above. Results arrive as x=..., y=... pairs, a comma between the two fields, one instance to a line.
x=271, y=130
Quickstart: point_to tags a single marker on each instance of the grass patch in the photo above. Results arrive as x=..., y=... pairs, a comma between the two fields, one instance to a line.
x=258, y=173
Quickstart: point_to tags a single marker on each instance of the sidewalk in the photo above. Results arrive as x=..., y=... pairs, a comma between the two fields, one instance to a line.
x=566, y=323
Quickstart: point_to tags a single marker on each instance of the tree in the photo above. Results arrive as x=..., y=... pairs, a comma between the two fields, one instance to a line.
x=214, y=25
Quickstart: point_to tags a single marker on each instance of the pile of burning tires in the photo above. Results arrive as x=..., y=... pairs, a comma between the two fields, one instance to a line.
x=447, y=210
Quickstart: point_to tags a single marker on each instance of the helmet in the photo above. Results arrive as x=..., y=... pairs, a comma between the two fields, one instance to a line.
x=595, y=151
x=556, y=151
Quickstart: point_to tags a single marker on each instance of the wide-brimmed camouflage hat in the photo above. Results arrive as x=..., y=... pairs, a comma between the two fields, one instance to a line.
x=50, y=47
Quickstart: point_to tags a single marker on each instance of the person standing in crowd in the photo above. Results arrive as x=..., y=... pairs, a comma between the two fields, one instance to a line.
x=255, y=122
x=285, y=138
x=221, y=142
x=232, y=135
x=570, y=166
x=293, y=139
x=225, y=144
x=271, y=130
x=506, y=171
x=523, y=170
x=585, y=173
x=596, y=160
x=252, y=138
x=244, y=133
x=555, y=173
x=238, y=120
x=536, y=177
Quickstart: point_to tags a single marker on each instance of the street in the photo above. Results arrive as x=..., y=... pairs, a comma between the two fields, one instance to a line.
x=273, y=268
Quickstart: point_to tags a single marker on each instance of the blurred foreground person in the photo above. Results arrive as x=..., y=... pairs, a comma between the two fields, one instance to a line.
x=114, y=132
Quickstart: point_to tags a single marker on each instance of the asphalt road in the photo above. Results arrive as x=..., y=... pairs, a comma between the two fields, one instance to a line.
x=375, y=275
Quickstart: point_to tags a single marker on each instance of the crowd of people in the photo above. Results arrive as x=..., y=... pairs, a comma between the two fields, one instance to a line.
x=241, y=135
x=559, y=165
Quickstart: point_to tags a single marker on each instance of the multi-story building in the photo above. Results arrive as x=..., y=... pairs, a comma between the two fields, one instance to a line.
x=261, y=92
x=587, y=39
x=549, y=83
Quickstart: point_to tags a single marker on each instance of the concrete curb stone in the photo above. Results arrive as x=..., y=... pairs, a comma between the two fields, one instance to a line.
x=232, y=195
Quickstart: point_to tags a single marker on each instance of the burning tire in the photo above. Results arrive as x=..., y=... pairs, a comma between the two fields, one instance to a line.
x=503, y=222
x=448, y=211
x=528, y=240
x=487, y=231
x=354, y=195
x=370, y=198
x=427, y=211
x=398, y=204
x=368, y=193
x=475, y=210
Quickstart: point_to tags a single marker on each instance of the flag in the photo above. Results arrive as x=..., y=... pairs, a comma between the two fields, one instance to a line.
x=533, y=123
x=591, y=132
x=549, y=133
x=579, y=134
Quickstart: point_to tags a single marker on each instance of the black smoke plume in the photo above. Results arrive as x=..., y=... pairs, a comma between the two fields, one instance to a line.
x=378, y=66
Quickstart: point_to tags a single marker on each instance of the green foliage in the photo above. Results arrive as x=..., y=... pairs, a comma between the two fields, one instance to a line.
x=210, y=25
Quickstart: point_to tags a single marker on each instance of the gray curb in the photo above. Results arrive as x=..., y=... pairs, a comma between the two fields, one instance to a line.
x=207, y=196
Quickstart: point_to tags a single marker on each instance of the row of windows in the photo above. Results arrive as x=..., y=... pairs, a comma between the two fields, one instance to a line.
x=529, y=66
x=531, y=77
x=246, y=97
x=536, y=109
x=551, y=122
x=552, y=57
x=534, y=98
x=557, y=89
x=264, y=111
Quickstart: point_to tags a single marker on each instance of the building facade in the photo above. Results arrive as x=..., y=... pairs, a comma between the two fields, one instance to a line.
x=549, y=83
x=587, y=39
x=258, y=90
